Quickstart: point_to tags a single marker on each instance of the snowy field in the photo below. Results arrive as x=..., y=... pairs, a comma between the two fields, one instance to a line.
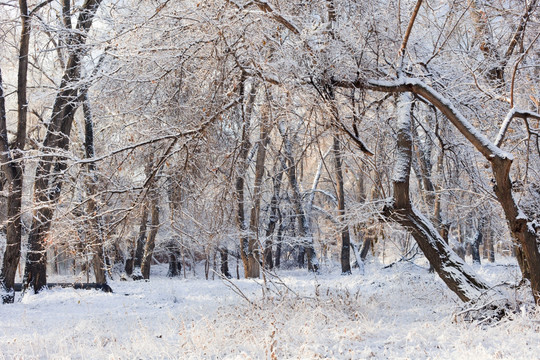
x=401, y=312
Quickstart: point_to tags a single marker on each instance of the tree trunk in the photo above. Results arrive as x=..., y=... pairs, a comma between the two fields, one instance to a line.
x=345, y=236
x=13, y=167
x=94, y=232
x=151, y=239
x=224, y=256
x=173, y=265
x=366, y=244
x=243, y=163
x=273, y=220
x=475, y=246
x=141, y=236
x=279, y=239
x=12, y=253
x=252, y=270
x=452, y=270
x=522, y=231
x=304, y=231
x=491, y=246
x=139, y=246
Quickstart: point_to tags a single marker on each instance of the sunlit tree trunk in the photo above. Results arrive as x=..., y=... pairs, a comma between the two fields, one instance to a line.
x=253, y=256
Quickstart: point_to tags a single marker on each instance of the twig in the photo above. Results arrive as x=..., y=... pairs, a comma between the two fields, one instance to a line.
x=234, y=288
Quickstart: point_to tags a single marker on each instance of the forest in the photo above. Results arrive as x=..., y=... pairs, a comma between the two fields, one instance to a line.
x=253, y=139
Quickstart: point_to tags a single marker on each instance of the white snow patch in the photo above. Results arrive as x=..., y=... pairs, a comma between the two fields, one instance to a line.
x=401, y=312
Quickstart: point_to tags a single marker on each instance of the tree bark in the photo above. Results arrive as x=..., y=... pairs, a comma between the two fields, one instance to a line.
x=345, y=236
x=224, y=256
x=253, y=270
x=243, y=163
x=141, y=236
x=151, y=239
x=273, y=220
x=174, y=265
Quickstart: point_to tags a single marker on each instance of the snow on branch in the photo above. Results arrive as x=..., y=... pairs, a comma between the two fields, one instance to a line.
x=445, y=106
x=267, y=8
x=513, y=113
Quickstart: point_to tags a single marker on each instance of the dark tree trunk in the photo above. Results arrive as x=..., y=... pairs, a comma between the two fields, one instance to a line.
x=224, y=256
x=240, y=178
x=12, y=253
x=301, y=256
x=139, y=243
x=173, y=265
x=13, y=167
x=491, y=246
x=279, y=238
x=345, y=236
x=143, y=227
x=366, y=245
x=475, y=246
x=128, y=267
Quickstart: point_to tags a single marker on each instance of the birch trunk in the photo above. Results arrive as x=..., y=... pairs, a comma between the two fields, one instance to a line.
x=245, y=110
x=273, y=220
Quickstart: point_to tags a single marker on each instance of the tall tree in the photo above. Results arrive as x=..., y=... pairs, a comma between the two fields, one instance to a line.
x=48, y=183
x=13, y=158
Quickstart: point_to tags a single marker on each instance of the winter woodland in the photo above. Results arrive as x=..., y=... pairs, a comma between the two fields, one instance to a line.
x=298, y=162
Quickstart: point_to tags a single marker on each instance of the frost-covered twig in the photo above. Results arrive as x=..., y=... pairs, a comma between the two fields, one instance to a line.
x=513, y=113
x=234, y=288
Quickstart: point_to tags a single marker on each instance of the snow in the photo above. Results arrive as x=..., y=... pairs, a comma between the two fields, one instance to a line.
x=402, y=166
x=399, y=312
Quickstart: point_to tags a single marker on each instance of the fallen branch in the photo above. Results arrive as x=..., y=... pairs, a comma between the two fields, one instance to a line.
x=78, y=286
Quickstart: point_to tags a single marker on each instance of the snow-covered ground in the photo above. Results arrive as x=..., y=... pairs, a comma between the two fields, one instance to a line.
x=401, y=312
